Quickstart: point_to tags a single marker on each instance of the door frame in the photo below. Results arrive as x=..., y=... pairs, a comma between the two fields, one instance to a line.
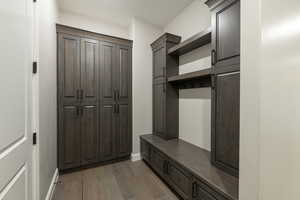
x=35, y=103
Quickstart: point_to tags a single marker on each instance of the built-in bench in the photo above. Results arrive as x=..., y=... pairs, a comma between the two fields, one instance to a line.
x=187, y=169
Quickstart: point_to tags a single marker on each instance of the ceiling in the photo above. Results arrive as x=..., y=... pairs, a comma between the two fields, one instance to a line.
x=121, y=12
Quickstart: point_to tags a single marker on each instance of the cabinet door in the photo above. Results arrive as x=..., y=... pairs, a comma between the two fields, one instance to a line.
x=108, y=132
x=159, y=62
x=145, y=150
x=89, y=135
x=107, y=72
x=159, y=162
x=159, y=108
x=123, y=101
x=69, y=138
x=123, y=134
x=225, y=127
x=226, y=36
x=69, y=68
x=179, y=179
x=89, y=71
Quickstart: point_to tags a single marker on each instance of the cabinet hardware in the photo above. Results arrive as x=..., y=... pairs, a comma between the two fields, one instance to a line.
x=77, y=110
x=34, y=67
x=118, y=95
x=81, y=111
x=195, y=190
x=166, y=167
x=81, y=94
x=213, y=57
x=34, y=139
x=115, y=95
x=77, y=94
x=118, y=108
x=115, y=108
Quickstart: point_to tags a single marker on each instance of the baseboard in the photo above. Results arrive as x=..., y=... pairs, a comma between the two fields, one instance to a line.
x=52, y=186
x=135, y=157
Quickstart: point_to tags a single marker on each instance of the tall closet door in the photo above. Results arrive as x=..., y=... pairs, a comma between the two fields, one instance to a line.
x=69, y=69
x=123, y=101
x=69, y=137
x=89, y=134
x=107, y=101
x=89, y=71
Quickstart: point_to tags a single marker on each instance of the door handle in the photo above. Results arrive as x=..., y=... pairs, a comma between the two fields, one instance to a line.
x=213, y=57
x=115, y=95
x=81, y=94
x=118, y=95
x=77, y=94
x=195, y=190
x=81, y=110
x=118, y=108
x=77, y=110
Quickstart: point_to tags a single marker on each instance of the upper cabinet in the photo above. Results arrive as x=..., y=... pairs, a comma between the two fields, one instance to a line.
x=225, y=35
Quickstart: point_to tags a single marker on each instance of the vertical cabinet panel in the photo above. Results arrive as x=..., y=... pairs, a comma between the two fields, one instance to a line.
x=108, y=59
x=108, y=132
x=159, y=58
x=89, y=134
x=226, y=36
x=225, y=135
x=69, y=70
x=124, y=72
x=89, y=70
x=159, y=109
x=124, y=136
x=70, y=138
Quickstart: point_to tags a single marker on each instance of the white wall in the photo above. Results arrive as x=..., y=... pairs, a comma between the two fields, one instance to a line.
x=47, y=126
x=270, y=85
x=194, y=104
x=142, y=34
x=92, y=24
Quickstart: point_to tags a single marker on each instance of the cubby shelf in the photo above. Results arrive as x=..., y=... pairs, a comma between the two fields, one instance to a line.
x=196, y=41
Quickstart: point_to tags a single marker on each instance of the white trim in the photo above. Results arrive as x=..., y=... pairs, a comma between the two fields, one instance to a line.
x=52, y=186
x=135, y=157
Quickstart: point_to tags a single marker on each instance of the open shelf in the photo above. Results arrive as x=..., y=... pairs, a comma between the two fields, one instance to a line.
x=196, y=79
x=196, y=41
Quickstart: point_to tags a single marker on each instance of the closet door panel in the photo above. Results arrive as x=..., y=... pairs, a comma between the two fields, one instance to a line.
x=89, y=70
x=123, y=130
x=124, y=73
x=108, y=63
x=108, y=127
x=69, y=138
x=89, y=134
x=69, y=71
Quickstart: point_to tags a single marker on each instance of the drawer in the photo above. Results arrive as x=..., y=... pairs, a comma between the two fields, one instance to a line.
x=145, y=150
x=179, y=179
x=201, y=191
x=158, y=162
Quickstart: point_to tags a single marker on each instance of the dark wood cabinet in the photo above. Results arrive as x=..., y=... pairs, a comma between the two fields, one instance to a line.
x=69, y=137
x=89, y=135
x=180, y=179
x=226, y=36
x=225, y=121
x=94, y=101
x=187, y=169
x=165, y=96
x=69, y=69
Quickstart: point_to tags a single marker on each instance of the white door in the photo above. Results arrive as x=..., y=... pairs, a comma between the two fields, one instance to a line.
x=15, y=99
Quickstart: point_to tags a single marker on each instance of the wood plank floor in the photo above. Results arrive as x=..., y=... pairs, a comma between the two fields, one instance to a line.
x=120, y=181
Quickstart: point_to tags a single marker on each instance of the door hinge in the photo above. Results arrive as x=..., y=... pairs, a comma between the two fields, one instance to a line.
x=34, y=67
x=34, y=139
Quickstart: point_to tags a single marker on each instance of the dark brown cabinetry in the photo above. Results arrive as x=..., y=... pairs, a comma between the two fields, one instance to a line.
x=187, y=169
x=226, y=84
x=165, y=97
x=225, y=122
x=94, y=101
x=225, y=35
